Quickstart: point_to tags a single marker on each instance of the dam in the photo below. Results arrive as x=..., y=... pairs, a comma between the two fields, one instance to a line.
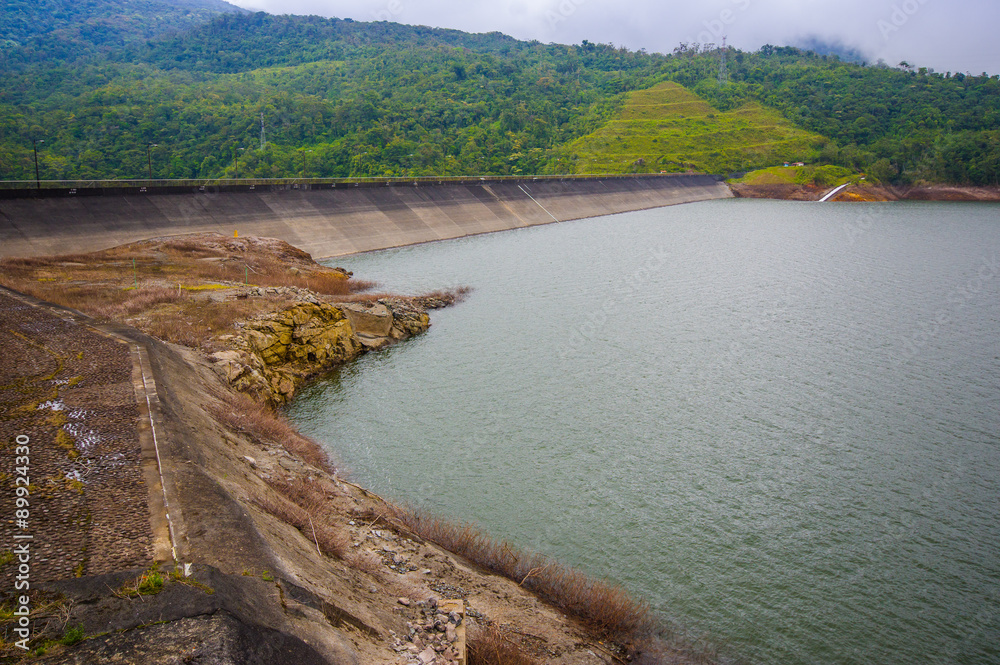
x=327, y=219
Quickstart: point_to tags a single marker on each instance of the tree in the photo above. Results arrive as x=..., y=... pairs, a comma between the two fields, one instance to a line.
x=882, y=171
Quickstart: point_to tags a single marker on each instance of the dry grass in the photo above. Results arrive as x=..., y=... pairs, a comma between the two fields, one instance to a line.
x=320, y=516
x=198, y=322
x=431, y=300
x=97, y=283
x=100, y=300
x=301, y=503
x=243, y=414
x=314, y=522
x=367, y=297
x=166, y=312
x=605, y=608
x=271, y=271
x=488, y=646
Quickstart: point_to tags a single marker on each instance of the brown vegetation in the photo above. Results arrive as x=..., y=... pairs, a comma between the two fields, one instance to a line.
x=194, y=261
x=489, y=646
x=199, y=322
x=605, y=608
x=264, y=424
x=306, y=507
x=177, y=289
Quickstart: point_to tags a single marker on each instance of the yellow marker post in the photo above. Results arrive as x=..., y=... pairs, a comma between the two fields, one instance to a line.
x=236, y=233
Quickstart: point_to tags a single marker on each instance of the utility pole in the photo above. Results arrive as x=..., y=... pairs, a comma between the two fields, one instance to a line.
x=263, y=142
x=34, y=146
x=723, y=70
x=236, y=153
x=149, y=159
x=305, y=153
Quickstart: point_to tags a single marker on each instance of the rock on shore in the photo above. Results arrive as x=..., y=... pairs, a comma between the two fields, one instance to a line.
x=272, y=356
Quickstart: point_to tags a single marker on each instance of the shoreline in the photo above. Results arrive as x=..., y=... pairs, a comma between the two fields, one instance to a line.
x=869, y=193
x=267, y=538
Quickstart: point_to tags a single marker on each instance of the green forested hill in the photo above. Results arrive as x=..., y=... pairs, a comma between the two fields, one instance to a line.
x=71, y=30
x=912, y=122
x=381, y=99
x=344, y=98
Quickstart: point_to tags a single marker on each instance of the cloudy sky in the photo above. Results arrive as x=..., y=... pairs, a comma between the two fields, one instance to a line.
x=946, y=35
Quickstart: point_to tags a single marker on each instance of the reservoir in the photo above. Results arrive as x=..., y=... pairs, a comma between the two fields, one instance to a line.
x=779, y=422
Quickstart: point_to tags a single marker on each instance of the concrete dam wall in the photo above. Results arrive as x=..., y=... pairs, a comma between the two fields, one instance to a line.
x=329, y=219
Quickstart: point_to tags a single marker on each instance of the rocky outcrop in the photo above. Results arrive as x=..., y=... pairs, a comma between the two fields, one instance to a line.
x=275, y=354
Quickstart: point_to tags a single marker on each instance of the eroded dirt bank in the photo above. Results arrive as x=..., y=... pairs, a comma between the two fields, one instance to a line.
x=867, y=192
x=235, y=539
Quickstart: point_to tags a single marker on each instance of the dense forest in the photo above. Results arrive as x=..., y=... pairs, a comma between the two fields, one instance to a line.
x=188, y=94
x=36, y=31
x=903, y=124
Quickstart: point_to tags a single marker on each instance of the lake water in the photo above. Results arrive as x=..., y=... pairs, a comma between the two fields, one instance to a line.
x=778, y=422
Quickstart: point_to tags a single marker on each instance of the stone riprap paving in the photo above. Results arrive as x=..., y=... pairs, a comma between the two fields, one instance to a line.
x=69, y=389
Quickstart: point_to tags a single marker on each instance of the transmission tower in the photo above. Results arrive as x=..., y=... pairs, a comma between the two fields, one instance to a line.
x=723, y=70
x=263, y=142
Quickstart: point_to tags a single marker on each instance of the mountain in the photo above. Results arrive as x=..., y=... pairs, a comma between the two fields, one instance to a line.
x=69, y=30
x=370, y=99
x=343, y=98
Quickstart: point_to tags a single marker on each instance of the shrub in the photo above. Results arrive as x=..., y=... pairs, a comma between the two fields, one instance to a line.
x=149, y=583
x=604, y=607
x=488, y=646
x=304, y=506
x=260, y=421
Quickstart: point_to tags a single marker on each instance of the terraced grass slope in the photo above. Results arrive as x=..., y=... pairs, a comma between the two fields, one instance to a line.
x=821, y=176
x=669, y=128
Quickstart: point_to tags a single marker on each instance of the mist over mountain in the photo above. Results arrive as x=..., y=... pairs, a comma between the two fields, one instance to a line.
x=821, y=46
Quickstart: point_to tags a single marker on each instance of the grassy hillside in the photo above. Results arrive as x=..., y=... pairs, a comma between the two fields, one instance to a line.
x=821, y=176
x=669, y=128
x=904, y=125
